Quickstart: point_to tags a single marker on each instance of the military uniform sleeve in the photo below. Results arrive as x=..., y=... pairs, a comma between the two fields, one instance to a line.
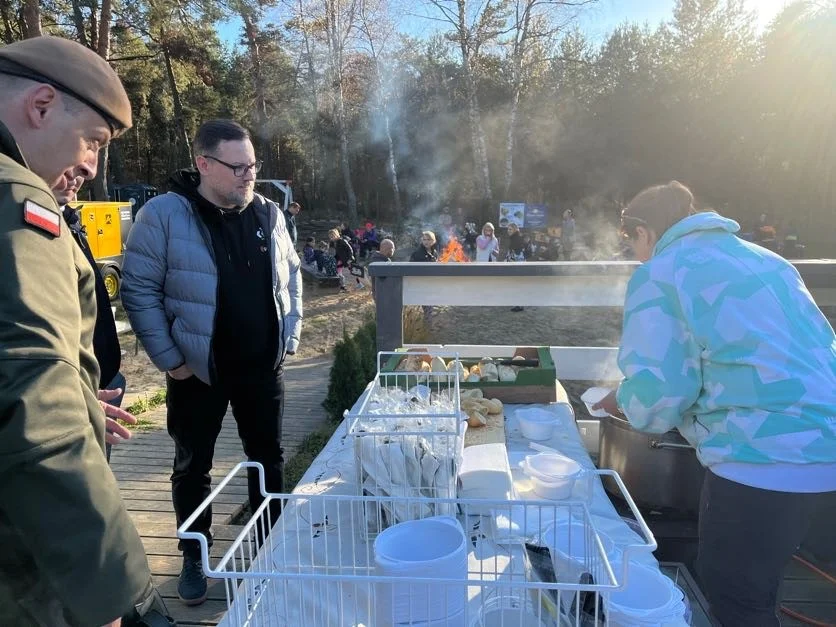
x=56, y=489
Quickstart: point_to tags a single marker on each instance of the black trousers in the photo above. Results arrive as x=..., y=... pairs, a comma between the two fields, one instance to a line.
x=195, y=415
x=747, y=536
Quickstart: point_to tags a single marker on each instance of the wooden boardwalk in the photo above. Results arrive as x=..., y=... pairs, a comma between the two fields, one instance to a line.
x=143, y=466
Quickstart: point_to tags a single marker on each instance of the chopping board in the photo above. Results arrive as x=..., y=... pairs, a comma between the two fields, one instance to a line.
x=491, y=433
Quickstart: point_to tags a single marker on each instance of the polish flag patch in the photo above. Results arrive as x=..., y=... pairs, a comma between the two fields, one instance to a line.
x=42, y=218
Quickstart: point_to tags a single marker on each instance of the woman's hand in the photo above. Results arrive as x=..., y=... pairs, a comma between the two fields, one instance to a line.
x=610, y=405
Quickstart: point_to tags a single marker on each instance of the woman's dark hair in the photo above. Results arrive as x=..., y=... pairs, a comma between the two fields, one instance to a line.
x=658, y=208
x=212, y=133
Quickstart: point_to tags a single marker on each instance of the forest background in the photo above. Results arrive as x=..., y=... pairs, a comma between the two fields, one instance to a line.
x=390, y=110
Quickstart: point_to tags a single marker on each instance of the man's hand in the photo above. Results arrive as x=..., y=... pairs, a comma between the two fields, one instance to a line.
x=181, y=373
x=609, y=405
x=114, y=432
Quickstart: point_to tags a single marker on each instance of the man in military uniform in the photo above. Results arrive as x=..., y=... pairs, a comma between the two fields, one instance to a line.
x=69, y=553
x=105, y=338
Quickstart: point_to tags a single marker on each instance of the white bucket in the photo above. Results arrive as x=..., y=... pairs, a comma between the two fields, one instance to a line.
x=571, y=556
x=648, y=598
x=429, y=548
x=511, y=611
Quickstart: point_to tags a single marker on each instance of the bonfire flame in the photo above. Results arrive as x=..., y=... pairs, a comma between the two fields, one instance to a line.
x=453, y=252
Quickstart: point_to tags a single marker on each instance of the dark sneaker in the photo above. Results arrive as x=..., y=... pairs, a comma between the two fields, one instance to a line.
x=191, y=588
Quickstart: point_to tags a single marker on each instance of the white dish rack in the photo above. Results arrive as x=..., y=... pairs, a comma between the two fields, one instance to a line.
x=408, y=438
x=317, y=568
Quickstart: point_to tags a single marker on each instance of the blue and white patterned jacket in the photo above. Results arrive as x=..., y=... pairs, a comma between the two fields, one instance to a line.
x=723, y=341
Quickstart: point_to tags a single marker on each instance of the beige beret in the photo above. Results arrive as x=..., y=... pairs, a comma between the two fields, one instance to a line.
x=73, y=69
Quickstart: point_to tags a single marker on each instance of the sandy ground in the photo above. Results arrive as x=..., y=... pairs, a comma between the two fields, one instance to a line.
x=326, y=312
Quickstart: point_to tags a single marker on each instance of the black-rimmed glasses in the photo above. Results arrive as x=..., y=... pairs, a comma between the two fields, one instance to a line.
x=238, y=170
x=629, y=225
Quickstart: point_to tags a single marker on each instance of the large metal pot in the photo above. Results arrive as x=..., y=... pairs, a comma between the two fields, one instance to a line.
x=661, y=472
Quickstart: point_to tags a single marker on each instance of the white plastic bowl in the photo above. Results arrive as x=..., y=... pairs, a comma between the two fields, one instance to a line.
x=592, y=396
x=649, y=598
x=552, y=476
x=552, y=491
x=430, y=547
x=571, y=557
x=455, y=620
x=536, y=424
x=509, y=611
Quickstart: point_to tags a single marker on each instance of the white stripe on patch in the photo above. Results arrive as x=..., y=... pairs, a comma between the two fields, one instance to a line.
x=42, y=218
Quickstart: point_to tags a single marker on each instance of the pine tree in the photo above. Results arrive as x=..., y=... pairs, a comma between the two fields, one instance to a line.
x=366, y=340
x=346, y=381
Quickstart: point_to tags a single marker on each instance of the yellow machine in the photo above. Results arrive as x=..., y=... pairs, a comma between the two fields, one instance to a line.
x=107, y=225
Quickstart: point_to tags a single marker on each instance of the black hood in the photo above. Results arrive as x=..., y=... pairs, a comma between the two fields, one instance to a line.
x=185, y=182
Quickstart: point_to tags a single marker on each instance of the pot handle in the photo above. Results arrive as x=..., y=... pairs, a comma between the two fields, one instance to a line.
x=671, y=445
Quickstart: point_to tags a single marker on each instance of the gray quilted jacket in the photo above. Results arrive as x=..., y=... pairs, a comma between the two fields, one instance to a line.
x=170, y=282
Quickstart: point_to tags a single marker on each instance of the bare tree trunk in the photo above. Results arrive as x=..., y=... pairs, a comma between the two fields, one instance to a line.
x=307, y=60
x=182, y=139
x=344, y=157
x=94, y=27
x=477, y=133
x=316, y=149
x=510, y=144
x=477, y=137
x=522, y=24
x=393, y=169
x=31, y=19
x=100, y=183
x=335, y=46
x=103, y=45
x=117, y=163
x=482, y=149
x=263, y=133
x=78, y=20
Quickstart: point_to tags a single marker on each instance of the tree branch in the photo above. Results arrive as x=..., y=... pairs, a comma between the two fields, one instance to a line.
x=138, y=57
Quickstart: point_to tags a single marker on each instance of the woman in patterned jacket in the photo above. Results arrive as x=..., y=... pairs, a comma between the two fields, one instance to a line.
x=723, y=342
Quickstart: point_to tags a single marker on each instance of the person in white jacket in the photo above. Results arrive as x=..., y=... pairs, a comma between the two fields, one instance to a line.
x=487, y=246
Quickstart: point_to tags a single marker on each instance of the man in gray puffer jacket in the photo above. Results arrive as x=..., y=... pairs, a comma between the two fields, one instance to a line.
x=212, y=287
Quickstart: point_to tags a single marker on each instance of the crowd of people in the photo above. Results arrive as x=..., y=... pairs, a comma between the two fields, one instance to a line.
x=490, y=245
x=346, y=251
x=341, y=254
